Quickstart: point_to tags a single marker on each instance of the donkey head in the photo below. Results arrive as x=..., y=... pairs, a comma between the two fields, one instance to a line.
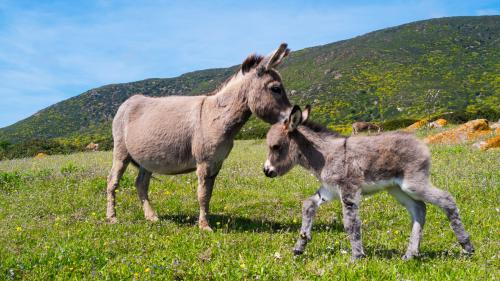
x=266, y=94
x=284, y=154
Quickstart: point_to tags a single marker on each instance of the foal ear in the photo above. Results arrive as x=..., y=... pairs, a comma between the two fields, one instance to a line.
x=306, y=113
x=294, y=119
x=276, y=57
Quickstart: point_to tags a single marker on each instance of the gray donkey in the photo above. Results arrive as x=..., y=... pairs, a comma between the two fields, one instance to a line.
x=181, y=134
x=350, y=166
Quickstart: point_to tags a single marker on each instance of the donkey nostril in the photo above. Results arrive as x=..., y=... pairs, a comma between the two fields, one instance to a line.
x=265, y=170
x=269, y=171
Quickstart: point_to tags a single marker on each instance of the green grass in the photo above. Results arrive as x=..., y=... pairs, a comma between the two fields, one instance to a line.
x=52, y=224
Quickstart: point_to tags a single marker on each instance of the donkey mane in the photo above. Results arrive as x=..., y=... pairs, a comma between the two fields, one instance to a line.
x=250, y=62
x=321, y=129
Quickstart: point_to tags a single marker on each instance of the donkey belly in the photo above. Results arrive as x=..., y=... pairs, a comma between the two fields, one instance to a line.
x=168, y=169
x=167, y=166
x=376, y=186
x=159, y=134
x=164, y=158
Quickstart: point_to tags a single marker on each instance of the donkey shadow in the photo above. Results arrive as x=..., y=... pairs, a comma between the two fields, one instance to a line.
x=378, y=252
x=242, y=224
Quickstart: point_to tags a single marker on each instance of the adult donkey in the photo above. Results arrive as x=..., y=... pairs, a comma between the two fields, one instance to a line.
x=180, y=134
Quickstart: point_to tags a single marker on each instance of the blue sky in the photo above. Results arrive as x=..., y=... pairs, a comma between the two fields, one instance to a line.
x=53, y=50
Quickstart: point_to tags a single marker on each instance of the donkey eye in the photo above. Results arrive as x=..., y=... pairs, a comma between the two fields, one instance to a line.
x=275, y=147
x=276, y=89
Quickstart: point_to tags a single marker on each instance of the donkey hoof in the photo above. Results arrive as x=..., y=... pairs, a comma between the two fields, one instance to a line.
x=468, y=249
x=297, y=252
x=206, y=228
x=112, y=220
x=355, y=258
x=408, y=257
x=468, y=252
x=152, y=218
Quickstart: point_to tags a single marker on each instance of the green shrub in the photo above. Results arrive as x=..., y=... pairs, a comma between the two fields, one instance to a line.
x=69, y=168
x=10, y=180
x=397, y=123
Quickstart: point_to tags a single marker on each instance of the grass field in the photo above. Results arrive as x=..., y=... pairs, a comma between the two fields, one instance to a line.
x=52, y=224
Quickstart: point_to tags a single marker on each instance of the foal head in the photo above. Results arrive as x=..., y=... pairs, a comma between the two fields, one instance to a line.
x=283, y=153
x=266, y=95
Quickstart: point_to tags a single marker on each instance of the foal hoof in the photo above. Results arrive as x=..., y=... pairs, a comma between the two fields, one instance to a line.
x=297, y=252
x=468, y=249
x=408, y=257
x=355, y=258
x=112, y=220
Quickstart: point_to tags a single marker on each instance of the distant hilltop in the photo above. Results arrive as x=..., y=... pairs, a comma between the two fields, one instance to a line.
x=403, y=72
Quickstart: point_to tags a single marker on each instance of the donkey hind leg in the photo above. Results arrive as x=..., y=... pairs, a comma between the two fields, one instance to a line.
x=142, y=185
x=445, y=201
x=350, y=198
x=120, y=163
x=309, y=208
x=206, y=180
x=417, y=211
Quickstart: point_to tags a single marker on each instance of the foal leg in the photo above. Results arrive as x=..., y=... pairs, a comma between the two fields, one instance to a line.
x=206, y=180
x=417, y=211
x=424, y=190
x=350, y=198
x=120, y=162
x=309, y=208
x=142, y=185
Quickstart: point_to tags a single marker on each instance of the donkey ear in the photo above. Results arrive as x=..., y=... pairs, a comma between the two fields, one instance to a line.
x=306, y=113
x=276, y=57
x=294, y=119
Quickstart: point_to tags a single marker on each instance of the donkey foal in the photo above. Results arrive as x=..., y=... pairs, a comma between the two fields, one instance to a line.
x=350, y=167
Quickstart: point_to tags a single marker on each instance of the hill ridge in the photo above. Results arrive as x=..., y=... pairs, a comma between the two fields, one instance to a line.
x=382, y=75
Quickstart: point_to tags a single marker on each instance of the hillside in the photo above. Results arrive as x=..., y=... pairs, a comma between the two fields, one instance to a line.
x=408, y=71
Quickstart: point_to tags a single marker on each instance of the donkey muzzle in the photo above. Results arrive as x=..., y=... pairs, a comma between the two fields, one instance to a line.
x=270, y=173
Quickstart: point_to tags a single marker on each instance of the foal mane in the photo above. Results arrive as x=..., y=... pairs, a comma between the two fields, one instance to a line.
x=321, y=129
x=250, y=62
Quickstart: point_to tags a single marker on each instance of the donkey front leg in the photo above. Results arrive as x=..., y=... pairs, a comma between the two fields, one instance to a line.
x=350, y=198
x=309, y=208
x=206, y=180
x=120, y=163
x=142, y=185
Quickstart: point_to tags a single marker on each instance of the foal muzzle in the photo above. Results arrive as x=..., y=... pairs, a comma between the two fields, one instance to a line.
x=271, y=173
